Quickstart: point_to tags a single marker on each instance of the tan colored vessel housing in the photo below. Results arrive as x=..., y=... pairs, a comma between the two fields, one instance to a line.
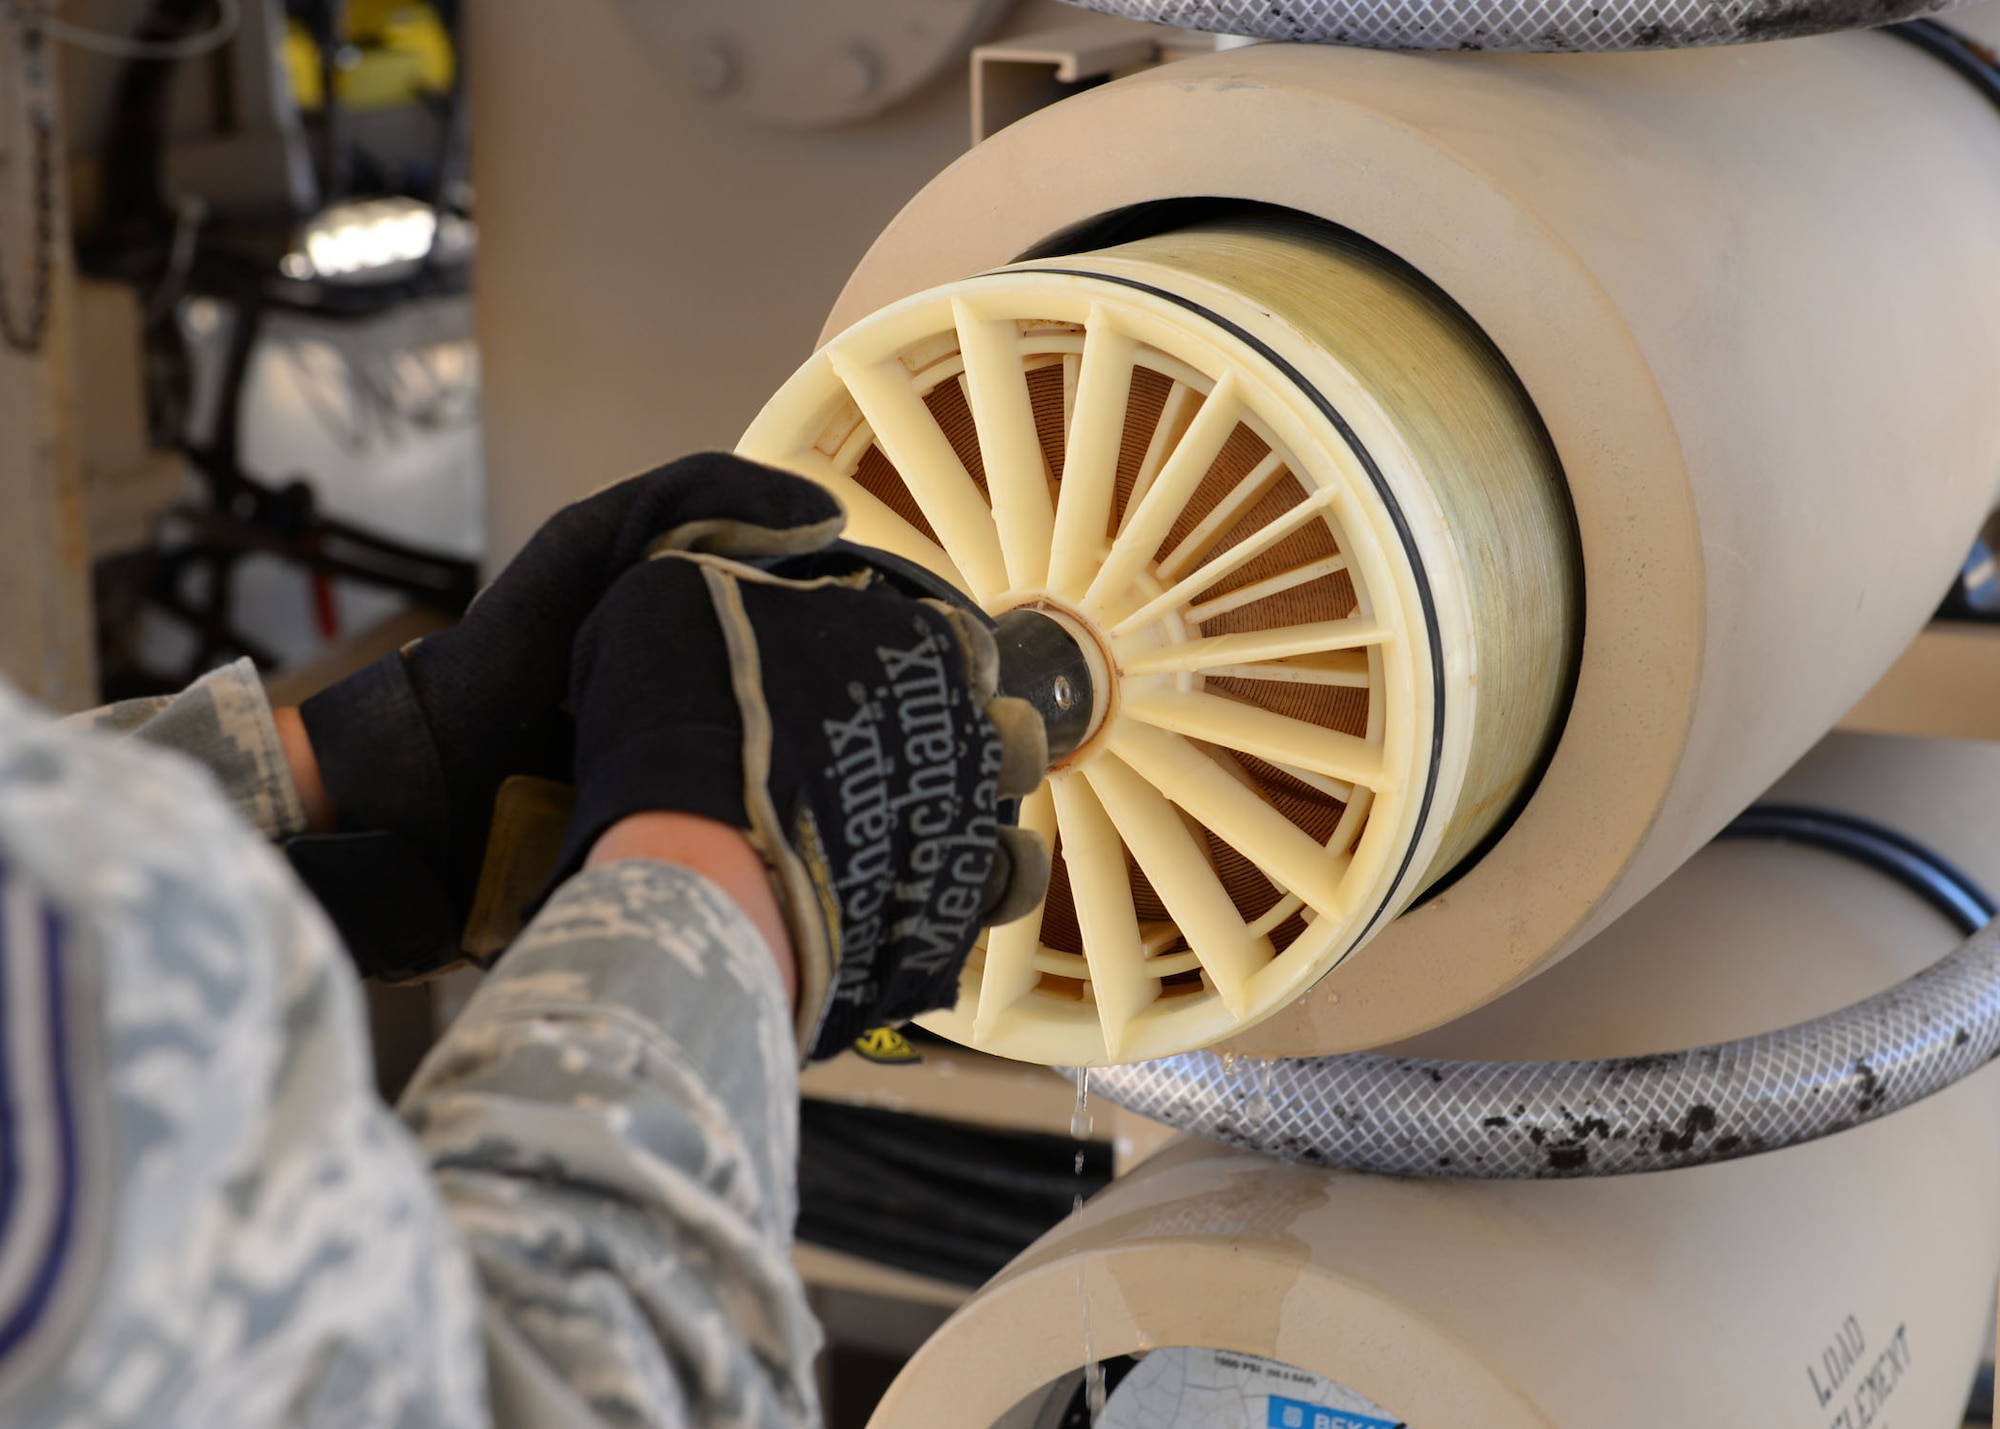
x=1749, y=293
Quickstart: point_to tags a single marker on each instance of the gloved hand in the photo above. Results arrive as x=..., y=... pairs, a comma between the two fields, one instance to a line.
x=418, y=743
x=852, y=731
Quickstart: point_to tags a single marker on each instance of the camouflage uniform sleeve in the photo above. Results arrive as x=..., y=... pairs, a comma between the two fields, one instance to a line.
x=613, y=1122
x=207, y=1217
x=223, y=722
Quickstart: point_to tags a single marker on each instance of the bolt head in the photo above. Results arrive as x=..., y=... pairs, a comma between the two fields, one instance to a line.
x=861, y=70
x=712, y=69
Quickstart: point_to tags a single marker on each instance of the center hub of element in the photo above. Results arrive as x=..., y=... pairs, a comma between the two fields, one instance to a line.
x=1054, y=664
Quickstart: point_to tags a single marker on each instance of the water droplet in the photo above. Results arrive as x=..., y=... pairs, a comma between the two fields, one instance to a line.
x=1260, y=1108
x=1081, y=1123
x=1079, y=1161
x=1093, y=1372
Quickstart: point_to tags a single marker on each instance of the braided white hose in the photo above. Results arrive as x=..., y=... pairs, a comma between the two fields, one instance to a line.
x=1522, y=25
x=1416, y=1116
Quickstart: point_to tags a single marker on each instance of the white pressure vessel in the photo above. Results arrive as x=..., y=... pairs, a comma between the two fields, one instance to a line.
x=1843, y=1284
x=1592, y=431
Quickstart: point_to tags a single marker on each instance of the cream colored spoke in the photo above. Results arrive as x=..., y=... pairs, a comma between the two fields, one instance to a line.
x=1072, y=372
x=1281, y=642
x=1285, y=853
x=915, y=445
x=1344, y=834
x=1178, y=867
x=1011, y=973
x=1090, y=457
x=1175, y=414
x=1228, y=511
x=1260, y=733
x=1094, y=858
x=1332, y=788
x=1276, y=914
x=871, y=521
x=1231, y=560
x=1156, y=938
x=1267, y=587
x=1343, y=669
x=996, y=389
x=1169, y=494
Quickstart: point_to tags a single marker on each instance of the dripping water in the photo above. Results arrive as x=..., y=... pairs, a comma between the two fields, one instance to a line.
x=1081, y=1123
x=1260, y=1108
x=1093, y=1372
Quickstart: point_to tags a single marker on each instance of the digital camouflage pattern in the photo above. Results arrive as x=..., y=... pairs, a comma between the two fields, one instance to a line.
x=222, y=722
x=582, y=1215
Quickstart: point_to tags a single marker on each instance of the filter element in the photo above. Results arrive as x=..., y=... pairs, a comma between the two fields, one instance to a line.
x=1314, y=544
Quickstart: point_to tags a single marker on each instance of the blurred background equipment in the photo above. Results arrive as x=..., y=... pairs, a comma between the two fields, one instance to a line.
x=952, y=1202
x=45, y=644
x=285, y=193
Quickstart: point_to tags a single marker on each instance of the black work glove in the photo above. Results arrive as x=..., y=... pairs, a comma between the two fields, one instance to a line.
x=418, y=743
x=852, y=732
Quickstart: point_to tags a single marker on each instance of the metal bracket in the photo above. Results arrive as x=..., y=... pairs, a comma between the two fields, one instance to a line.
x=1012, y=78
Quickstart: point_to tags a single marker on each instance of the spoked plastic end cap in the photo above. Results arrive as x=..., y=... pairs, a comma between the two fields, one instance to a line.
x=1293, y=525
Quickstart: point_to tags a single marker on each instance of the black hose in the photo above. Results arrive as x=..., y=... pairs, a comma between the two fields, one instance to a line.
x=1972, y=61
x=950, y=1201
x=1929, y=875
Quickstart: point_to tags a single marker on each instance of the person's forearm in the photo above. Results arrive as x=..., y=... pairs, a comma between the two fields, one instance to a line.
x=642, y=978
x=300, y=760
x=613, y=1122
x=718, y=853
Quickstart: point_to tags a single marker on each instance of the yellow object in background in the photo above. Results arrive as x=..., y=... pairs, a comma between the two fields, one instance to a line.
x=401, y=51
x=301, y=61
x=415, y=32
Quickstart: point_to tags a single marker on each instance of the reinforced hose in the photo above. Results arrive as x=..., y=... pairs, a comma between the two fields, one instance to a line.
x=1414, y=1116
x=1510, y=25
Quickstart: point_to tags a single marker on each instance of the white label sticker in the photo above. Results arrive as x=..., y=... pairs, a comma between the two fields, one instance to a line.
x=1216, y=1389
